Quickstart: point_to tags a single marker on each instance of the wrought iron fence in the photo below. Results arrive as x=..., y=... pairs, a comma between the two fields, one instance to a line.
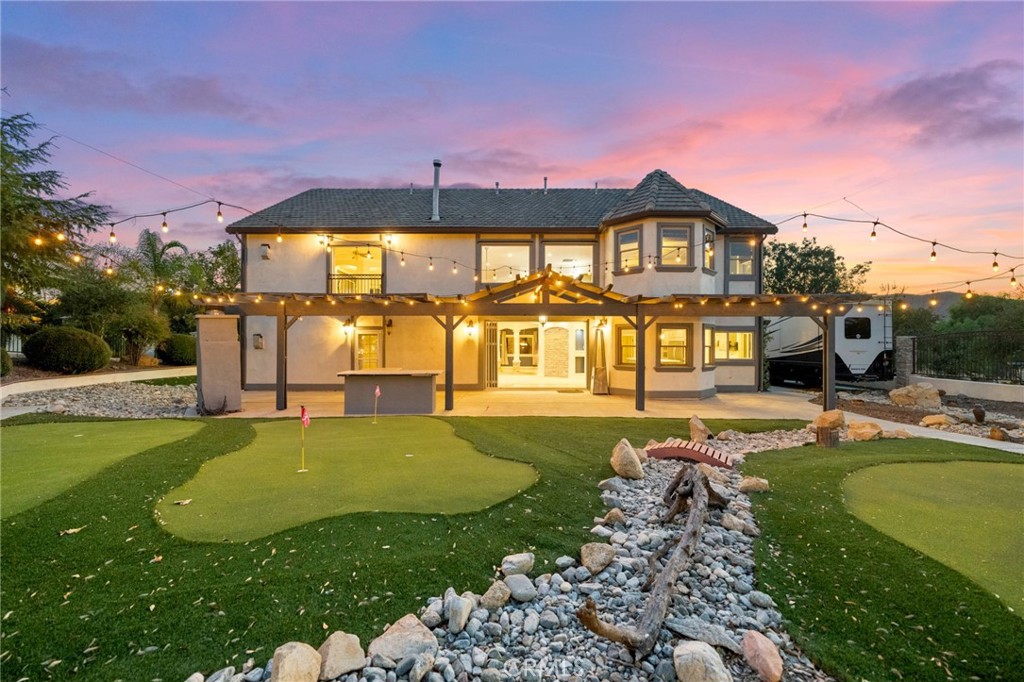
x=355, y=284
x=972, y=356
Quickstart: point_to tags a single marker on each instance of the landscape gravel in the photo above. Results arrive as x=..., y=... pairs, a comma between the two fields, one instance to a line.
x=126, y=399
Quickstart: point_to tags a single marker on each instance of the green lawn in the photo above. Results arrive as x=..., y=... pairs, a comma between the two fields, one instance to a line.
x=402, y=464
x=39, y=462
x=967, y=515
x=863, y=605
x=85, y=606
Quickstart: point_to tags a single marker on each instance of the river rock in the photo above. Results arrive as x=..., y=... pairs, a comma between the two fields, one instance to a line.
x=517, y=563
x=614, y=517
x=698, y=431
x=732, y=522
x=341, y=653
x=496, y=596
x=521, y=588
x=699, y=662
x=864, y=431
x=832, y=419
x=697, y=629
x=458, y=609
x=407, y=637
x=916, y=395
x=595, y=556
x=762, y=655
x=751, y=484
x=714, y=474
x=625, y=461
x=295, y=662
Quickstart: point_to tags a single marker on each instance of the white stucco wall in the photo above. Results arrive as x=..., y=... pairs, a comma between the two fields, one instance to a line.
x=416, y=277
x=418, y=343
x=317, y=350
x=646, y=281
x=297, y=264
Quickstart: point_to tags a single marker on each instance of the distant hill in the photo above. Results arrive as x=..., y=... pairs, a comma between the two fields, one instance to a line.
x=946, y=299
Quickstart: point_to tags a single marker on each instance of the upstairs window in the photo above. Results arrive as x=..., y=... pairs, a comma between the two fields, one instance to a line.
x=356, y=269
x=709, y=249
x=571, y=260
x=627, y=250
x=741, y=259
x=674, y=245
x=504, y=262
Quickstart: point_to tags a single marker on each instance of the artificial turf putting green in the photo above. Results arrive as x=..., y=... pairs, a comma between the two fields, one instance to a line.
x=966, y=515
x=402, y=464
x=40, y=461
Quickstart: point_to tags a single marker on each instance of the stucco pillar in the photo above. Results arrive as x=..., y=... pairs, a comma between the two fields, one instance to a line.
x=218, y=364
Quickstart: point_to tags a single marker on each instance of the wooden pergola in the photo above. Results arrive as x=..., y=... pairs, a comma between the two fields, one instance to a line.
x=543, y=293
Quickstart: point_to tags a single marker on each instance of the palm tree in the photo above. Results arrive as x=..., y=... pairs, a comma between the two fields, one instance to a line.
x=157, y=268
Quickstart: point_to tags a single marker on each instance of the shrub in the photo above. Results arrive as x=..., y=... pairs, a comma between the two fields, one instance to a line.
x=5, y=363
x=141, y=328
x=179, y=349
x=67, y=350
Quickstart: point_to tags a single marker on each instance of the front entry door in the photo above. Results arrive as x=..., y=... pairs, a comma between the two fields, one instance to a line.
x=368, y=349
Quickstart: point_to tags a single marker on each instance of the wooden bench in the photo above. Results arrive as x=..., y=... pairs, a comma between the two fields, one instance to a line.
x=677, y=448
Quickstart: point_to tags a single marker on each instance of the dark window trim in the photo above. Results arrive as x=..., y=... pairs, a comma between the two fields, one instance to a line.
x=545, y=242
x=705, y=366
x=687, y=265
x=687, y=365
x=616, y=235
x=619, y=328
x=741, y=361
x=729, y=241
x=713, y=270
x=483, y=241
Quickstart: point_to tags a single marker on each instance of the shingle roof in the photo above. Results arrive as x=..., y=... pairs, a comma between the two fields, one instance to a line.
x=476, y=209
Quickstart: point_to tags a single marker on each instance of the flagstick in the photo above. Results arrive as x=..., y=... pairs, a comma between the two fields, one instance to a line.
x=303, y=441
x=375, y=399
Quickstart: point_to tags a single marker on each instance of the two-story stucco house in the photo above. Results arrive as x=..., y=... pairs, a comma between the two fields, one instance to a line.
x=543, y=277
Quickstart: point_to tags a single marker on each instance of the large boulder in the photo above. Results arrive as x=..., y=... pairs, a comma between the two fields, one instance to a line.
x=625, y=461
x=916, y=395
x=699, y=662
x=521, y=588
x=864, y=431
x=295, y=662
x=762, y=655
x=938, y=420
x=698, y=431
x=751, y=484
x=341, y=653
x=833, y=419
x=596, y=556
x=407, y=637
x=458, y=609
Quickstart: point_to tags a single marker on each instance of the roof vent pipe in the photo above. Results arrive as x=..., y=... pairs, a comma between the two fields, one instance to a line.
x=545, y=184
x=495, y=187
x=436, y=217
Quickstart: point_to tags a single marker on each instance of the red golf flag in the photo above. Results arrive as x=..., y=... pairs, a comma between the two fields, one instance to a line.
x=304, y=416
x=376, y=391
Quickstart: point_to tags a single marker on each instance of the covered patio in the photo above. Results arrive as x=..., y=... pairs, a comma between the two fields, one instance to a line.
x=544, y=293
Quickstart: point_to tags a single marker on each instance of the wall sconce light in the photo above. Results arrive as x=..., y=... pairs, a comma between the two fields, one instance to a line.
x=470, y=328
x=265, y=251
x=543, y=319
x=257, y=341
x=390, y=323
x=603, y=324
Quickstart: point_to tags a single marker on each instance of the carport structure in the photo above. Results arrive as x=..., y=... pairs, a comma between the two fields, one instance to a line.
x=543, y=293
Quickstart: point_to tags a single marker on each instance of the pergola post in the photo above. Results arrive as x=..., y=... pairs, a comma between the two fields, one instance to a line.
x=828, y=363
x=449, y=361
x=641, y=360
x=282, y=360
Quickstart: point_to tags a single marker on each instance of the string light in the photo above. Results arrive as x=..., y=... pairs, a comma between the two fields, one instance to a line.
x=164, y=225
x=650, y=263
x=76, y=258
x=403, y=259
x=805, y=222
x=61, y=237
x=995, y=262
x=38, y=241
x=874, y=235
x=279, y=237
x=113, y=237
x=220, y=216
x=969, y=294
x=455, y=268
x=932, y=256
x=1013, y=278
x=431, y=265
x=933, y=301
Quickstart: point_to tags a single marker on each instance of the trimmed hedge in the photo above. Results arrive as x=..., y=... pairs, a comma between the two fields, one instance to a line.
x=66, y=350
x=179, y=349
x=5, y=362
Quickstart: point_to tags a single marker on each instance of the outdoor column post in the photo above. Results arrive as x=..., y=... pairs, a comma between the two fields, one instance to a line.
x=449, y=360
x=828, y=364
x=641, y=359
x=282, y=360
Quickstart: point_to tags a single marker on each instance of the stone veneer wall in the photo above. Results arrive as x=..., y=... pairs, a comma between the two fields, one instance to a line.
x=556, y=352
x=904, y=352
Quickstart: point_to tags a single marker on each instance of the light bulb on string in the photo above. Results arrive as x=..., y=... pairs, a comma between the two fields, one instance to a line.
x=76, y=258
x=220, y=216
x=969, y=294
x=1013, y=278
x=679, y=256
x=805, y=222
x=402, y=262
x=38, y=241
x=874, y=227
x=932, y=256
x=60, y=236
x=650, y=263
x=933, y=301
x=995, y=262
x=279, y=237
x=113, y=237
x=455, y=268
x=163, y=226
x=430, y=266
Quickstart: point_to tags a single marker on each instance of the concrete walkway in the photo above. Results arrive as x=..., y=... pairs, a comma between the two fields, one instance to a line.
x=778, y=403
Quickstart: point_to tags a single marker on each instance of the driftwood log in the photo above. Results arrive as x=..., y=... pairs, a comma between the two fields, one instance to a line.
x=692, y=484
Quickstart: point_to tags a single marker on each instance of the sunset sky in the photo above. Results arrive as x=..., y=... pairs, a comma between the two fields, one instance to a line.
x=912, y=112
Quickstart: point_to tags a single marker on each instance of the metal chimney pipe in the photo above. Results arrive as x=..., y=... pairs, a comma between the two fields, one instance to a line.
x=545, y=184
x=495, y=187
x=436, y=217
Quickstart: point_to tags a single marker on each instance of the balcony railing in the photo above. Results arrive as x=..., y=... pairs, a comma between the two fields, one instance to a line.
x=355, y=284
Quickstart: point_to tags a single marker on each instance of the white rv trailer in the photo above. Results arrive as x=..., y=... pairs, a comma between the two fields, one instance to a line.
x=863, y=346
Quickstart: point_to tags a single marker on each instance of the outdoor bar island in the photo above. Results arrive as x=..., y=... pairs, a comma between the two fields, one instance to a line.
x=402, y=391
